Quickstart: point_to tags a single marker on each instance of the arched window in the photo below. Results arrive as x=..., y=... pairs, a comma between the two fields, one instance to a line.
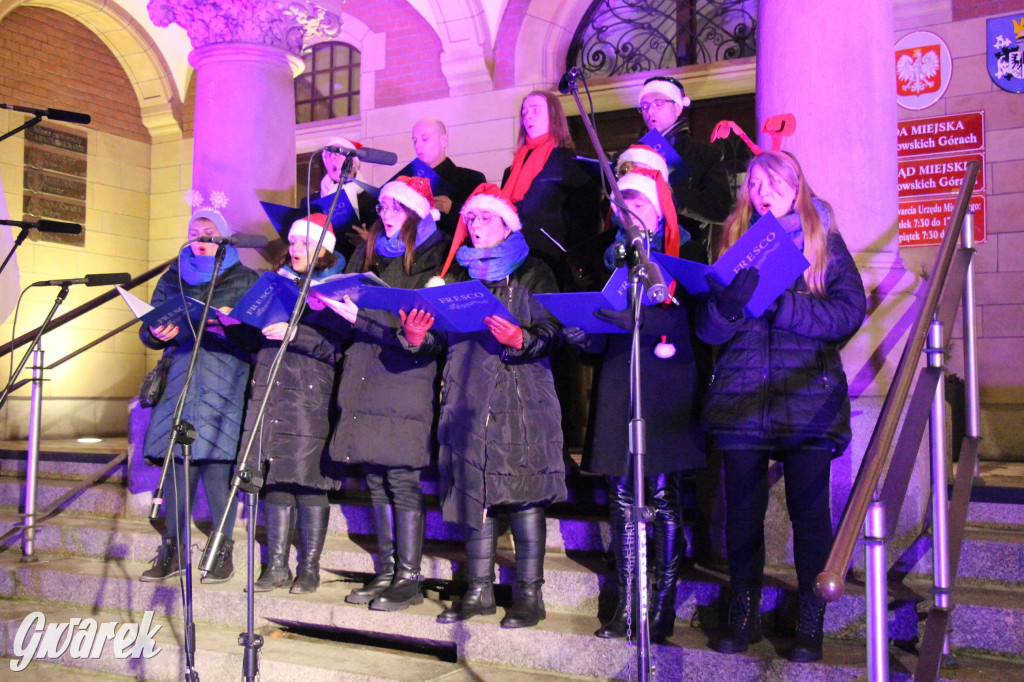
x=329, y=87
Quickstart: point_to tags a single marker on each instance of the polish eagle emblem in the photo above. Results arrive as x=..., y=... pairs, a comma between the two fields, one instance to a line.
x=917, y=72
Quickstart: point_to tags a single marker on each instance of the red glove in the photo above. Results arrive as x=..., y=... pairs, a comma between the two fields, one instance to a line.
x=415, y=325
x=508, y=334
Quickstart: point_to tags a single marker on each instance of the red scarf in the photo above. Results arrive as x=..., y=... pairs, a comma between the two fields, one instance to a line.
x=527, y=163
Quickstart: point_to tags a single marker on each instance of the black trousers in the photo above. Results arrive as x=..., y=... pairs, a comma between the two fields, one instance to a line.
x=398, y=487
x=807, y=466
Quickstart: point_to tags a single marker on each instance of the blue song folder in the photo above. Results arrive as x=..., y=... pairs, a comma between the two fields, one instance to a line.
x=272, y=297
x=765, y=246
x=678, y=170
x=459, y=307
x=577, y=309
x=438, y=185
x=175, y=310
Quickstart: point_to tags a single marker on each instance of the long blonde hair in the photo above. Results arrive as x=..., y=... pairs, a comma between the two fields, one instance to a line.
x=782, y=167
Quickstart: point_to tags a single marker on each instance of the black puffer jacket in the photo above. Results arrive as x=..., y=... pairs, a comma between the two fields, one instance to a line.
x=217, y=393
x=387, y=399
x=501, y=427
x=780, y=374
x=297, y=420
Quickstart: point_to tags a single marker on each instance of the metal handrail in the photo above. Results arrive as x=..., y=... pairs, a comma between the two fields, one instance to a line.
x=830, y=583
x=86, y=307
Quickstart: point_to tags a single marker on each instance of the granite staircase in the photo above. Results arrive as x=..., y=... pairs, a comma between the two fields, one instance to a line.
x=91, y=553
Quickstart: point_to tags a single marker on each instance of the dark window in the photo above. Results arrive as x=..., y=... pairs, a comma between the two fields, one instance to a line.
x=329, y=87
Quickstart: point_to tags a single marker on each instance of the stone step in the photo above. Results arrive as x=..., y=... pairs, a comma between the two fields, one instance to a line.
x=561, y=645
x=571, y=592
x=108, y=499
x=285, y=656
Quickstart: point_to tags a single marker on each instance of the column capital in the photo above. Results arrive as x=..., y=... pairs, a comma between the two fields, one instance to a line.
x=286, y=24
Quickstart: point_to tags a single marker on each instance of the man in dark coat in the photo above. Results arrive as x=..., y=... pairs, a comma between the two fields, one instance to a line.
x=450, y=184
x=700, y=180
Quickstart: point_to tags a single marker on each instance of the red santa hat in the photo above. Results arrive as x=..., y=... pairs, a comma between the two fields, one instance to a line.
x=486, y=197
x=645, y=157
x=340, y=141
x=312, y=229
x=652, y=185
x=667, y=87
x=413, y=193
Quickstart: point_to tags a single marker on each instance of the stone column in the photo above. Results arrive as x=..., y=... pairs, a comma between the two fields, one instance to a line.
x=246, y=55
x=831, y=65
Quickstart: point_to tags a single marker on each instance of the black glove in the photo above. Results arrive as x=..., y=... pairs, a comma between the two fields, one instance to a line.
x=575, y=335
x=623, y=319
x=730, y=299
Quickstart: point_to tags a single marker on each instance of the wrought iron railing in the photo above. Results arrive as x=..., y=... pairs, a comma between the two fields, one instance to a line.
x=631, y=36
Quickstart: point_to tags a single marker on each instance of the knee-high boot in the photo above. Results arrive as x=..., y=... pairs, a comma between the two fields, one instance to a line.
x=404, y=590
x=313, y=531
x=529, y=532
x=479, y=597
x=619, y=503
x=280, y=524
x=383, y=521
x=669, y=546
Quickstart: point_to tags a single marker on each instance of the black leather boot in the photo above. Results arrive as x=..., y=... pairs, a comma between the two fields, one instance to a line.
x=619, y=503
x=280, y=523
x=169, y=561
x=384, y=522
x=313, y=532
x=744, y=622
x=809, y=628
x=404, y=590
x=479, y=598
x=529, y=533
x=223, y=566
x=669, y=546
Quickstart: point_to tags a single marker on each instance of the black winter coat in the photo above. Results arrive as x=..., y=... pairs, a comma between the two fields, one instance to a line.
x=705, y=194
x=564, y=202
x=217, y=393
x=462, y=180
x=670, y=389
x=297, y=420
x=501, y=427
x=387, y=398
x=780, y=374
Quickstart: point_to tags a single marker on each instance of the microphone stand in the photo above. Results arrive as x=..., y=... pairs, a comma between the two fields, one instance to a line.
x=17, y=242
x=61, y=295
x=184, y=434
x=641, y=271
x=27, y=124
x=250, y=480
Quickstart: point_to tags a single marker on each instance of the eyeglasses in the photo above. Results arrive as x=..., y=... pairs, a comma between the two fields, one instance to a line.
x=385, y=208
x=653, y=104
x=483, y=219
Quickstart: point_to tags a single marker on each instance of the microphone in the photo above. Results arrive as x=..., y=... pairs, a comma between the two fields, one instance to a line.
x=102, y=280
x=43, y=225
x=650, y=273
x=52, y=114
x=240, y=240
x=367, y=154
x=568, y=82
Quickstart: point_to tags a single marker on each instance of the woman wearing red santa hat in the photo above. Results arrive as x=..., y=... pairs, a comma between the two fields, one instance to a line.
x=387, y=399
x=670, y=383
x=296, y=424
x=499, y=430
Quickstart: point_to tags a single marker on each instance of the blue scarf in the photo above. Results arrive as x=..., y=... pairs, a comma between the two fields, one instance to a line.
x=657, y=242
x=393, y=247
x=318, y=275
x=199, y=269
x=497, y=262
